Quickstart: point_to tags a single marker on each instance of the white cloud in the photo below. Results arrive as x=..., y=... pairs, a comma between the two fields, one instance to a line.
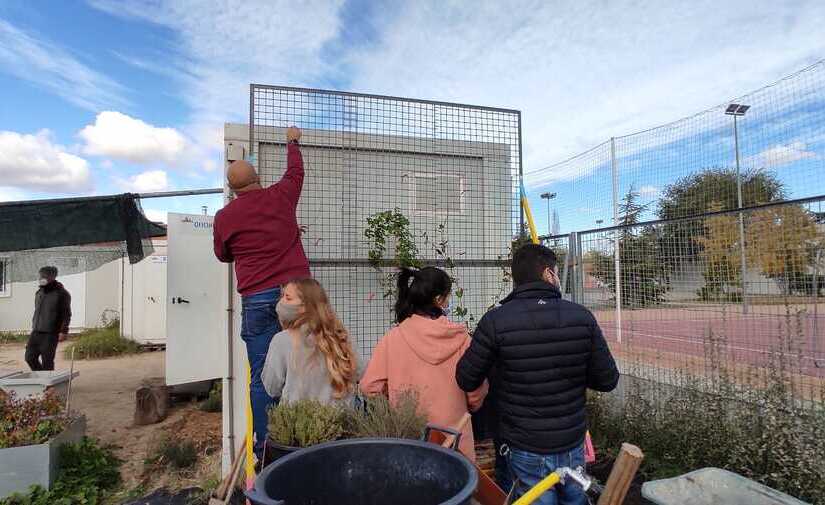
x=8, y=194
x=779, y=155
x=224, y=47
x=155, y=215
x=34, y=162
x=581, y=72
x=210, y=165
x=649, y=191
x=116, y=135
x=145, y=182
x=34, y=59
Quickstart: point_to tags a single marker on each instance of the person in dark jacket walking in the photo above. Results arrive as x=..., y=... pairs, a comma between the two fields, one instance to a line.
x=547, y=352
x=50, y=323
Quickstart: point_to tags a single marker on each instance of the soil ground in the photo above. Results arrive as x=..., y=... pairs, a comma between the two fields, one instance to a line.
x=105, y=393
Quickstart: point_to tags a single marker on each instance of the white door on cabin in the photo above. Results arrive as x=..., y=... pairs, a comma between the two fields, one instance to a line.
x=195, y=302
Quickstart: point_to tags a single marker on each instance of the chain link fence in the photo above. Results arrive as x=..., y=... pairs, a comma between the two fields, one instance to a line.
x=700, y=244
x=394, y=182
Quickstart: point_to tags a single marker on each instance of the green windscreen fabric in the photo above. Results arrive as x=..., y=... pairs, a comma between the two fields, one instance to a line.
x=75, y=234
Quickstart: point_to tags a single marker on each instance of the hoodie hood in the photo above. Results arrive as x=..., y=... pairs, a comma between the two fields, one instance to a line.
x=433, y=340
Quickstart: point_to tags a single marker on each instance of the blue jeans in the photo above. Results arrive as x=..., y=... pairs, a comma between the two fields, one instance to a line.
x=531, y=468
x=259, y=323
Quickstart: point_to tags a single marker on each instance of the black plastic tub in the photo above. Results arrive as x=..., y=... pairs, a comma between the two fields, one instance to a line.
x=368, y=471
x=275, y=451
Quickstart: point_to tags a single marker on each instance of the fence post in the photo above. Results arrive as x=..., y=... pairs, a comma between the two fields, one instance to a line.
x=743, y=261
x=617, y=270
x=573, y=258
x=565, y=269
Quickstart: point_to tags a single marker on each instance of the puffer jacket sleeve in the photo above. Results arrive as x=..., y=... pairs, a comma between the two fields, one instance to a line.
x=602, y=373
x=474, y=367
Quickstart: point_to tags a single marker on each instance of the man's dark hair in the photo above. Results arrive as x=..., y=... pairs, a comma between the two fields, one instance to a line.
x=50, y=272
x=530, y=261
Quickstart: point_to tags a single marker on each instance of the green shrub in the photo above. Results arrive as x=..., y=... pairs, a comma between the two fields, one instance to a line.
x=178, y=454
x=13, y=338
x=380, y=418
x=101, y=343
x=752, y=424
x=305, y=423
x=214, y=403
x=87, y=473
x=30, y=421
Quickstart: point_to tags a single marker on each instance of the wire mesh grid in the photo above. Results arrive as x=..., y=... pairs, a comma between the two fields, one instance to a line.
x=449, y=171
x=678, y=305
x=779, y=143
x=682, y=282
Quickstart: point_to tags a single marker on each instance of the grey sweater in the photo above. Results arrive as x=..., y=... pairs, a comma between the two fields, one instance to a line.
x=294, y=371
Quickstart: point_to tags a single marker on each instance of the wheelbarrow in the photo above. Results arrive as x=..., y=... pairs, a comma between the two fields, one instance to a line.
x=713, y=486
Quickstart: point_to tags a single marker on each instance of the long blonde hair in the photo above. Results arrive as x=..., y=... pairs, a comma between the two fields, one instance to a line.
x=330, y=336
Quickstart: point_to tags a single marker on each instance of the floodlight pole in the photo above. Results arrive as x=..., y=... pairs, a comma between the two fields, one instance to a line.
x=548, y=197
x=743, y=262
x=617, y=264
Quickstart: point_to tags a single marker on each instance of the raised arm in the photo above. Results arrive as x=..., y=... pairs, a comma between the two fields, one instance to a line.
x=293, y=180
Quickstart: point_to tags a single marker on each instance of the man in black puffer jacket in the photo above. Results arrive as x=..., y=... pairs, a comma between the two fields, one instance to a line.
x=50, y=323
x=547, y=352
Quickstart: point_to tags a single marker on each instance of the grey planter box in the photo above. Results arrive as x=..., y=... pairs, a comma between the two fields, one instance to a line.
x=26, y=384
x=23, y=467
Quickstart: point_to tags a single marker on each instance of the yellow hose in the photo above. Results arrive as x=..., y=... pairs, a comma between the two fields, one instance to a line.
x=539, y=489
x=250, y=452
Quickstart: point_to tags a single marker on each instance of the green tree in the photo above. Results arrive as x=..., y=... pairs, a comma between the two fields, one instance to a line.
x=705, y=191
x=644, y=276
x=780, y=243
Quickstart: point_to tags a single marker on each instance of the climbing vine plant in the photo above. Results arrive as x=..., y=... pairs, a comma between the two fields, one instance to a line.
x=384, y=226
x=388, y=225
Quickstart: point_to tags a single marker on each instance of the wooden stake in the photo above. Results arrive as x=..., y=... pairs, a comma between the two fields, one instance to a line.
x=621, y=476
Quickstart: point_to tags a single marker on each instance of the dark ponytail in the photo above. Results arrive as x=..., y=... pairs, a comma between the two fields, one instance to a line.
x=417, y=291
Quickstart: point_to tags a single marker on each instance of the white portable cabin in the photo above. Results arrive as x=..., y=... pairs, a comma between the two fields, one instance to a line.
x=143, y=296
x=95, y=293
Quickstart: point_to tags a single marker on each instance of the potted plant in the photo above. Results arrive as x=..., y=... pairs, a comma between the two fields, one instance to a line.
x=305, y=423
x=379, y=418
x=295, y=425
x=31, y=433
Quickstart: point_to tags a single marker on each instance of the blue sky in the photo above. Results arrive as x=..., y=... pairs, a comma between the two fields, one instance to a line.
x=102, y=97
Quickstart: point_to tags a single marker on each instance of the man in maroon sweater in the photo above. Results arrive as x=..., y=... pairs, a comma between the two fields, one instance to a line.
x=259, y=231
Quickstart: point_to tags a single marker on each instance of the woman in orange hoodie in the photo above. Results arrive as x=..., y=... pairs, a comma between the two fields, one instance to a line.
x=420, y=354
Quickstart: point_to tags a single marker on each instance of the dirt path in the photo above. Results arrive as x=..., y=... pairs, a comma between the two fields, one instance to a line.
x=105, y=393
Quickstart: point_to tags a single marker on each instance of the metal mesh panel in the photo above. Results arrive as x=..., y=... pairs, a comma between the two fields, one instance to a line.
x=452, y=170
x=682, y=283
